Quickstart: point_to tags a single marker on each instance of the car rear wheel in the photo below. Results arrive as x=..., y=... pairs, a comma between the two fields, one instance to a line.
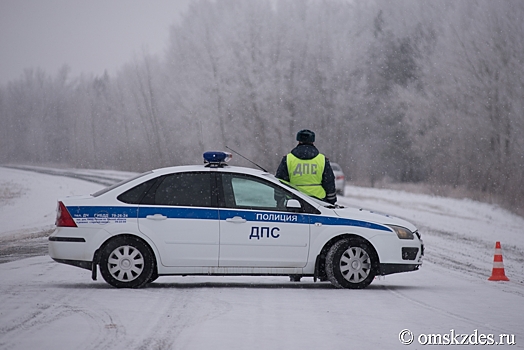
x=126, y=262
x=351, y=263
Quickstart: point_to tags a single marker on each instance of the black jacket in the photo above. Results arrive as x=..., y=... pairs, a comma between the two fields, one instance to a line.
x=309, y=151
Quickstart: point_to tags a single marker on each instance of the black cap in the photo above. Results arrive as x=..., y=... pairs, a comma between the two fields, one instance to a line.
x=306, y=136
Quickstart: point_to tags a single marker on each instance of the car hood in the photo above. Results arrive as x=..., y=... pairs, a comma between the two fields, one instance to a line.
x=374, y=217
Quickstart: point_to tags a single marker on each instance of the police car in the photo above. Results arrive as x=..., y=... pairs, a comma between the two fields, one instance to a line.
x=215, y=219
x=340, y=179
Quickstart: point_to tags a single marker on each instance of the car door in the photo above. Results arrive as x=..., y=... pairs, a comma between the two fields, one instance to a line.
x=256, y=228
x=180, y=214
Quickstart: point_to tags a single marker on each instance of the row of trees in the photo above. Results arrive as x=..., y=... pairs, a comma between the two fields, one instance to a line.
x=407, y=90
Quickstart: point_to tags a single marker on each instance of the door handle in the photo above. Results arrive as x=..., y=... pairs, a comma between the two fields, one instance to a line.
x=236, y=219
x=156, y=217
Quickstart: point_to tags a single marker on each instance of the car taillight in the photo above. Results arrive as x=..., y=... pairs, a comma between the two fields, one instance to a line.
x=340, y=177
x=63, y=218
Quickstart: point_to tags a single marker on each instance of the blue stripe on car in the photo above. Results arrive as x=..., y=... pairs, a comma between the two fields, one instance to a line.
x=327, y=220
x=99, y=212
x=179, y=213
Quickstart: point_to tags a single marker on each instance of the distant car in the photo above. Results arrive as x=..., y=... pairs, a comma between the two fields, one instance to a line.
x=340, y=179
x=216, y=219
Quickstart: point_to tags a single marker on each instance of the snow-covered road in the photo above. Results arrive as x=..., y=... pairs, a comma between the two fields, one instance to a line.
x=46, y=305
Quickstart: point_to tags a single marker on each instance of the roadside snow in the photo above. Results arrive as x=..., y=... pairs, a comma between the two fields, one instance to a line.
x=458, y=233
x=28, y=201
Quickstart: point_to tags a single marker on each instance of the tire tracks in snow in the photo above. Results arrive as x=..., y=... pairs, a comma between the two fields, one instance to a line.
x=53, y=307
x=29, y=244
x=471, y=255
x=181, y=311
x=474, y=322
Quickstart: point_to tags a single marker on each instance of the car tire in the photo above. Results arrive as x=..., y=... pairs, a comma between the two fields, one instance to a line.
x=351, y=263
x=127, y=262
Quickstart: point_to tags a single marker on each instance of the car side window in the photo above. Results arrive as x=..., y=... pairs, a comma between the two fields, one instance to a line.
x=182, y=189
x=247, y=192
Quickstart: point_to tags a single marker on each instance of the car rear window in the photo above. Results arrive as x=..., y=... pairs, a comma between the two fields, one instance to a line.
x=135, y=194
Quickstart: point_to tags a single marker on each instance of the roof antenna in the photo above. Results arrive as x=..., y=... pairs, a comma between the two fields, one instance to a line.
x=249, y=160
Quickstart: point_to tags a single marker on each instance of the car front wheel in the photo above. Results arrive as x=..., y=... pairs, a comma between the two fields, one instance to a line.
x=351, y=263
x=126, y=262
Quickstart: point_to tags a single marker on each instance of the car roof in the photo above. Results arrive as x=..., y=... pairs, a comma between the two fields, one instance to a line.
x=222, y=169
x=206, y=167
x=335, y=166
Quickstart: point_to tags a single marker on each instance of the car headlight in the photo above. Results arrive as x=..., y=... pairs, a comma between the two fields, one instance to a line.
x=402, y=232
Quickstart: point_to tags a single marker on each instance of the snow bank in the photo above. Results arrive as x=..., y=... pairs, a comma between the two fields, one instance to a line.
x=28, y=201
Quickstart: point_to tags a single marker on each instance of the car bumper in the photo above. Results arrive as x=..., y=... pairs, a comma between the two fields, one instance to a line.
x=388, y=269
x=73, y=244
x=88, y=265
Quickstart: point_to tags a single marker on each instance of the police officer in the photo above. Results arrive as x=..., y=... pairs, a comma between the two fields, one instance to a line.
x=308, y=169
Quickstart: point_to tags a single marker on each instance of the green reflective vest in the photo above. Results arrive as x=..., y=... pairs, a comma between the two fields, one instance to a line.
x=306, y=174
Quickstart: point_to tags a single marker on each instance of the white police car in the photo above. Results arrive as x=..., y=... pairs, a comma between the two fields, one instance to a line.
x=214, y=219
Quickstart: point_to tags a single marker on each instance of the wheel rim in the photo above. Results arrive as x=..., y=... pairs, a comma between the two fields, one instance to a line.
x=355, y=264
x=125, y=263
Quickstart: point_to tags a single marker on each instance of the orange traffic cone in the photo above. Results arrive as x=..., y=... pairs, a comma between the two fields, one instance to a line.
x=498, y=266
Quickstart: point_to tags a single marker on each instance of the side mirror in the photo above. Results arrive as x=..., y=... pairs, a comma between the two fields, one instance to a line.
x=293, y=204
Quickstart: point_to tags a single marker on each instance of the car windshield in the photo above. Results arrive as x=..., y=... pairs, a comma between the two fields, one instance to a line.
x=326, y=204
x=318, y=201
x=288, y=184
x=107, y=189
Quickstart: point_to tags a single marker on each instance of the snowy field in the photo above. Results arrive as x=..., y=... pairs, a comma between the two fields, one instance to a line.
x=46, y=305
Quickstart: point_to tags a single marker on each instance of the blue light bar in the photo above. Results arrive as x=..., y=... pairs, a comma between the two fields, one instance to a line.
x=217, y=157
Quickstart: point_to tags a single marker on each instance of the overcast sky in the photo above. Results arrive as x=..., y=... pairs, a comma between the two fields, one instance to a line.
x=88, y=35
